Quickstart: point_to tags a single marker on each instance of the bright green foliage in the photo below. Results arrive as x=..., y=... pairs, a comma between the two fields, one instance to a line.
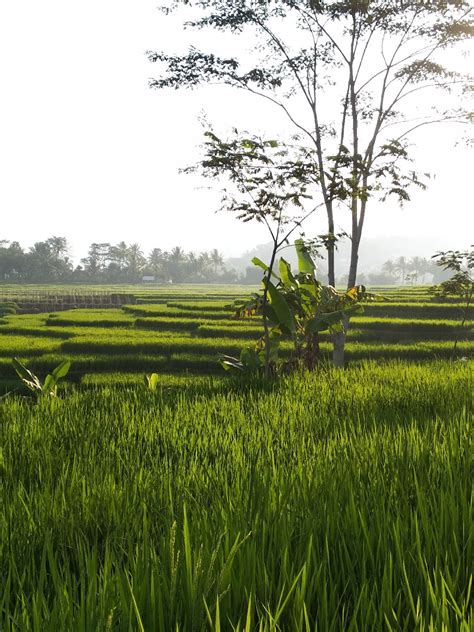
x=186, y=328
x=152, y=381
x=461, y=284
x=8, y=308
x=34, y=384
x=296, y=305
x=329, y=501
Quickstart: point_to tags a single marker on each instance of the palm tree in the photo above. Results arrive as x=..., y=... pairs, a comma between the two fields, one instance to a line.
x=177, y=260
x=119, y=255
x=401, y=267
x=155, y=261
x=135, y=260
x=420, y=267
x=217, y=260
x=193, y=266
x=206, y=264
x=390, y=268
x=58, y=247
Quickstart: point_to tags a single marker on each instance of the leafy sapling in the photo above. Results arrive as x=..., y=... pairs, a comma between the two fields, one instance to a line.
x=151, y=381
x=461, y=284
x=298, y=307
x=33, y=383
x=269, y=182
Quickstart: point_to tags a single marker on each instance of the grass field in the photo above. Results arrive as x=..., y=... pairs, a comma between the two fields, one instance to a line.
x=330, y=501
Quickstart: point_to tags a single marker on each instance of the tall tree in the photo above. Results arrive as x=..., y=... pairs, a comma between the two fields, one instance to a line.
x=177, y=262
x=217, y=260
x=194, y=267
x=58, y=247
x=347, y=74
x=390, y=268
x=401, y=266
x=135, y=261
x=205, y=264
x=418, y=266
x=13, y=261
x=119, y=255
x=97, y=259
x=48, y=260
x=155, y=262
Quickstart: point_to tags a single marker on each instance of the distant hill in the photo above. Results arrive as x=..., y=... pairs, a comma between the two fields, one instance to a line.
x=372, y=255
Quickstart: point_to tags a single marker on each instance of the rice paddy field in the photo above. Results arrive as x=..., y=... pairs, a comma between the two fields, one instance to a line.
x=327, y=501
x=180, y=331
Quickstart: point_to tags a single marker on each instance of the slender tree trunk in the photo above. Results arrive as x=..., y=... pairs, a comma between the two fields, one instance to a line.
x=339, y=343
x=354, y=259
x=465, y=313
x=339, y=339
x=331, y=263
x=266, y=329
x=311, y=352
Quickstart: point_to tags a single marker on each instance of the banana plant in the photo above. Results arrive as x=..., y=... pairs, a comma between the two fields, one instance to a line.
x=298, y=306
x=151, y=381
x=33, y=383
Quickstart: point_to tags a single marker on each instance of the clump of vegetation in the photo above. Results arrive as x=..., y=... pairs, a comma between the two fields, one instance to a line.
x=461, y=284
x=151, y=381
x=33, y=383
x=8, y=308
x=296, y=305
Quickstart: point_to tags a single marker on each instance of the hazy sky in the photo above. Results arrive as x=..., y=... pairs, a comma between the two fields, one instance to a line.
x=89, y=152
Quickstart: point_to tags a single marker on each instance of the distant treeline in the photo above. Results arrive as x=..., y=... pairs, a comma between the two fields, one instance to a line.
x=404, y=271
x=49, y=261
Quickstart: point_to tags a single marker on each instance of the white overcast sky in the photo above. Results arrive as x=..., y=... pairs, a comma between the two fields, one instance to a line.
x=89, y=152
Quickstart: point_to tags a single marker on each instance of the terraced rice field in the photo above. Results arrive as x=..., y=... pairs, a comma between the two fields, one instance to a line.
x=182, y=330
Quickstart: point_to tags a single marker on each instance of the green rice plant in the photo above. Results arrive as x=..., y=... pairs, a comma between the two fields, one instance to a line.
x=38, y=331
x=406, y=309
x=246, y=331
x=180, y=340
x=86, y=363
x=167, y=323
x=144, y=311
x=414, y=350
x=89, y=318
x=424, y=325
x=337, y=500
x=392, y=335
x=149, y=345
x=180, y=381
x=27, y=320
x=202, y=306
x=192, y=363
x=8, y=308
x=27, y=345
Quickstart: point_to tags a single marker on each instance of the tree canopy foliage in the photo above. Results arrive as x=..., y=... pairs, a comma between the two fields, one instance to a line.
x=350, y=76
x=49, y=262
x=366, y=61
